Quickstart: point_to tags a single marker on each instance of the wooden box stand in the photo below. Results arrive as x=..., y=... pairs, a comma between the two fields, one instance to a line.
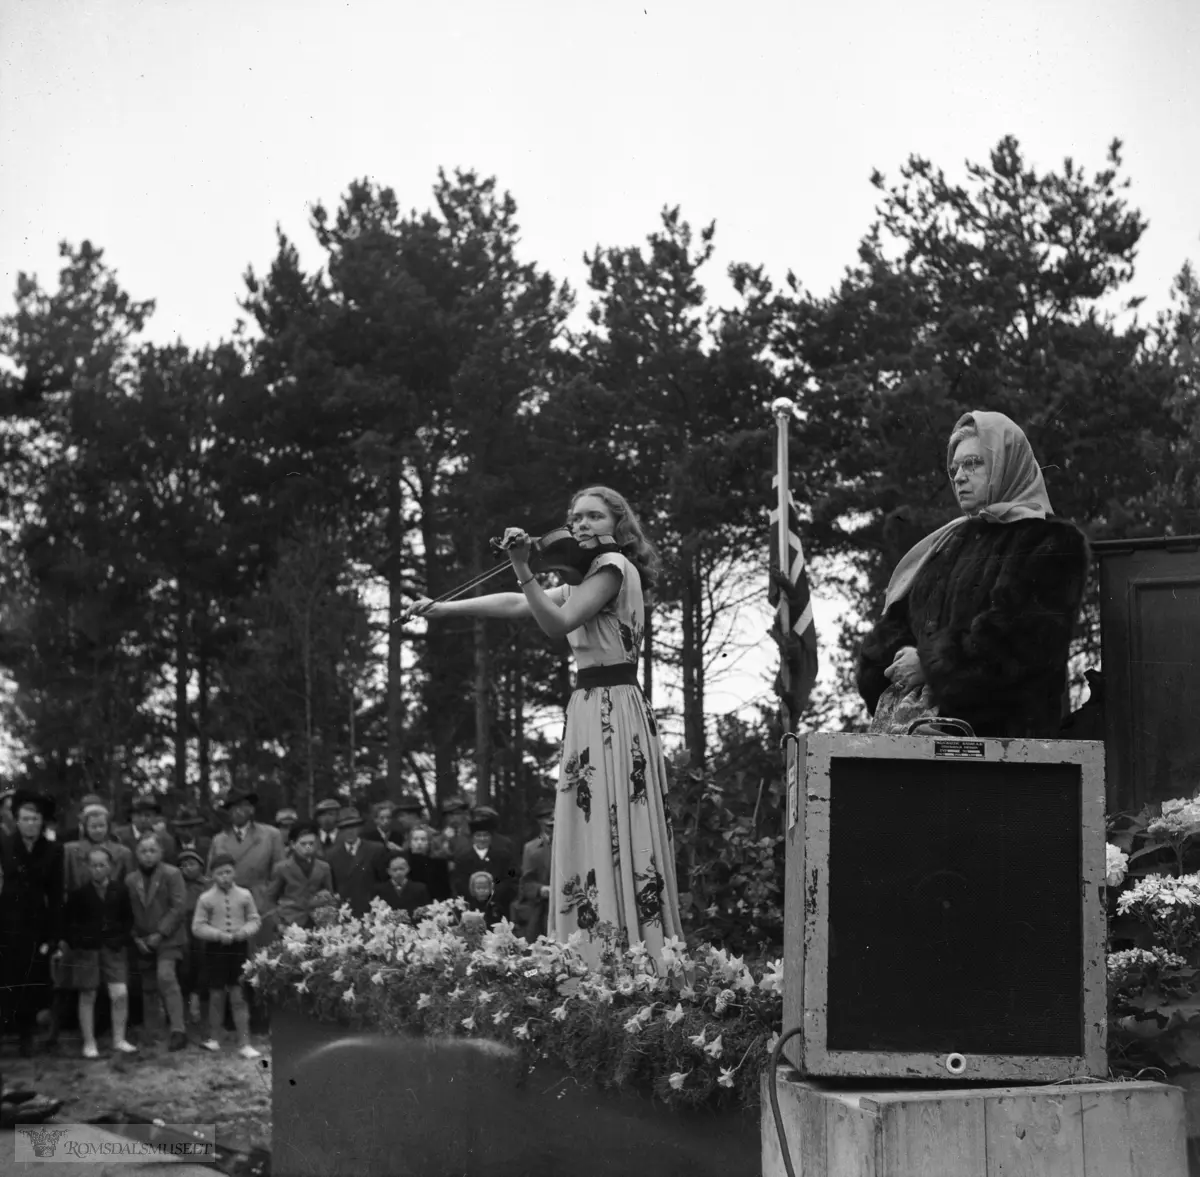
x=1131, y=1129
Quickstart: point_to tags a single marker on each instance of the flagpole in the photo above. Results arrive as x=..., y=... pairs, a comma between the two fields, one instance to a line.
x=783, y=410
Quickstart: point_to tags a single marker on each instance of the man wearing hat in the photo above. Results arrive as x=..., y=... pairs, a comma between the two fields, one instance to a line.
x=358, y=866
x=255, y=849
x=501, y=843
x=531, y=911
x=188, y=824
x=327, y=814
x=285, y=818
x=147, y=809
x=484, y=856
x=31, y=901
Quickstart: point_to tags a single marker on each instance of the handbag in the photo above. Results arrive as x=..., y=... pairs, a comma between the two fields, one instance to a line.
x=899, y=709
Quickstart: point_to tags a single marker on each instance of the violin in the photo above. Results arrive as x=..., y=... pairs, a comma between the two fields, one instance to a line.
x=557, y=551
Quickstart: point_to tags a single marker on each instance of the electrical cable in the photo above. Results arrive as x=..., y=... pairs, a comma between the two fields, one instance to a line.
x=774, y=1068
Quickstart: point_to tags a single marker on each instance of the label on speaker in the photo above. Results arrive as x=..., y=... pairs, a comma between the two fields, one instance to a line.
x=960, y=749
x=793, y=784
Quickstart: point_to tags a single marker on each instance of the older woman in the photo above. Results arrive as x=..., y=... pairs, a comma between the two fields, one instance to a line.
x=978, y=615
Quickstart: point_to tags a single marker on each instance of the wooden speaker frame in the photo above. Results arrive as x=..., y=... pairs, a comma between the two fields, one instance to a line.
x=807, y=901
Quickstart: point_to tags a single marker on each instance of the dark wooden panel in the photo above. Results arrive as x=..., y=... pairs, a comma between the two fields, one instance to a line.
x=1165, y=648
x=1150, y=614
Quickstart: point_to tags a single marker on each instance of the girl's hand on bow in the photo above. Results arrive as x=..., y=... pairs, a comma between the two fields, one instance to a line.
x=420, y=607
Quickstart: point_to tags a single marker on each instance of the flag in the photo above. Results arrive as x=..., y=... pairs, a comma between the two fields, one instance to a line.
x=792, y=627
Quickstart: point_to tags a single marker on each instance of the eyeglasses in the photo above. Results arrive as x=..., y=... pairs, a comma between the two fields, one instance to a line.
x=969, y=464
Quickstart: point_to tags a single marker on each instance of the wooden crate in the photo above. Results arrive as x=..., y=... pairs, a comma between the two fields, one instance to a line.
x=1131, y=1129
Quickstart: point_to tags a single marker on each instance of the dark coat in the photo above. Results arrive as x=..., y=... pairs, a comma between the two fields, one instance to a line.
x=159, y=905
x=499, y=866
x=93, y=922
x=291, y=891
x=409, y=898
x=432, y=873
x=991, y=616
x=355, y=878
x=322, y=851
x=31, y=900
x=530, y=912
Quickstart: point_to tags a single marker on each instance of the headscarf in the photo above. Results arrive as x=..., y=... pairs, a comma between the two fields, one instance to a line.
x=1015, y=490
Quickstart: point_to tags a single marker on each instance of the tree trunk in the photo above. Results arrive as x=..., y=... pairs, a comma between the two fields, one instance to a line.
x=306, y=653
x=482, y=687
x=181, y=701
x=395, y=680
x=441, y=701
x=203, y=790
x=353, y=769
x=692, y=659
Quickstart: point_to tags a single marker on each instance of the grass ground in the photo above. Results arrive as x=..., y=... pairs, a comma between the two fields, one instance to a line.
x=191, y=1086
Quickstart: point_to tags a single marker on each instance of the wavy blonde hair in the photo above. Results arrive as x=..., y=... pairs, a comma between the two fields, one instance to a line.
x=628, y=532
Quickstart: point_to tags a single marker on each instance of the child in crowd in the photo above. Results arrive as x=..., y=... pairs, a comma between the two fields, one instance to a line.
x=191, y=970
x=226, y=919
x=296, y=881
x=99, y=924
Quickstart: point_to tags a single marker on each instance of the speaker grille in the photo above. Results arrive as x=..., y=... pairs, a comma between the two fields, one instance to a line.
x=954, y=907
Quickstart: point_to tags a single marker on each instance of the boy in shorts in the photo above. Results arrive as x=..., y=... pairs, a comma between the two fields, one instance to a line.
x=99, y=922
x=191, y=968
x=226, y=919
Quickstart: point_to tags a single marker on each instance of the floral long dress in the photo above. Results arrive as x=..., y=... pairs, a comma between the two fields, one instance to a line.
x=612, y=855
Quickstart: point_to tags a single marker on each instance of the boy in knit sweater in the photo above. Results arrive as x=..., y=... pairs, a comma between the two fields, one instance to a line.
x=225, y=919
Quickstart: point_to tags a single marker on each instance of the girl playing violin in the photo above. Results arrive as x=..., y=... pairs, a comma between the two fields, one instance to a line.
x=612, y=855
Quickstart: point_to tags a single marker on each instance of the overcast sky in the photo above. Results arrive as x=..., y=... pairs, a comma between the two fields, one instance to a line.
x=176, y=134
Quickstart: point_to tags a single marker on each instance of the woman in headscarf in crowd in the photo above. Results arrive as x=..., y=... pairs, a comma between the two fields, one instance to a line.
x=979, y=615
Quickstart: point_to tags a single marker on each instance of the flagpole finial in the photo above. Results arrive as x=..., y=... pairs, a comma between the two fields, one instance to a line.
x=783, y=406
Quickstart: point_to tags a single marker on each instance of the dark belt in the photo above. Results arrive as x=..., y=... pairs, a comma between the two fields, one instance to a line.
x=621, y=674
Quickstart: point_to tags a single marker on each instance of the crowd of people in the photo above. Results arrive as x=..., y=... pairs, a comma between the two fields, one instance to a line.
x=175, y=908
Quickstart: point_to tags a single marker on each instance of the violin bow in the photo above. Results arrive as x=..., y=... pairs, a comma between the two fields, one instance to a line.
x=458, y=590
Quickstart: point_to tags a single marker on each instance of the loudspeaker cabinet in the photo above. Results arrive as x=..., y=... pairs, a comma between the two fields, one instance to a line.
x=944, y=913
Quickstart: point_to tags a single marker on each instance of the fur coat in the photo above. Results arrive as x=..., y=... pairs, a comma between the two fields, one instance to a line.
x=991, y=616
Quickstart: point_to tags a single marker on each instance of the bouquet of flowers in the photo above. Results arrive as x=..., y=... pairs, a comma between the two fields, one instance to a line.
x=694, y=1026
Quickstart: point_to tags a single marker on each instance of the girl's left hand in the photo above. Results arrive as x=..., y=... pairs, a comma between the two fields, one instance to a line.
x=515, y=542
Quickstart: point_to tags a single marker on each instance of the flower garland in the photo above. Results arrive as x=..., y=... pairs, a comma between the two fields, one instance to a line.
x=694, y=1028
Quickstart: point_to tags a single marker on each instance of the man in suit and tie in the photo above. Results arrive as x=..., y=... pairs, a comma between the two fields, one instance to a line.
x=147, y=809
x=531, y=910
x=188, y=824
x=255, y=849
x=358, y=866
x=326, y=815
